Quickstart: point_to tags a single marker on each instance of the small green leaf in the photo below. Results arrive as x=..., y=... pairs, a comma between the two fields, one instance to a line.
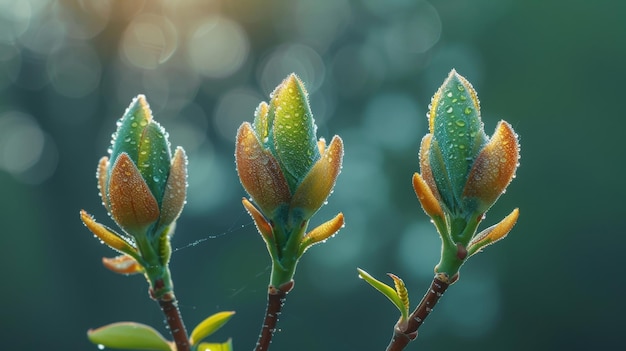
x=386, y=290
x=209, y=326
x=402, y=293
x=128, y=335
x=227, y=346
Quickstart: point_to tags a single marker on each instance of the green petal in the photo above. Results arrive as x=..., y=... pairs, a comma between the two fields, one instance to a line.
x=261, y=123
x=293, y=130
x=209, y=326
x=154, y=159
x=458, y=131
x=128, y=335
x=130, y=129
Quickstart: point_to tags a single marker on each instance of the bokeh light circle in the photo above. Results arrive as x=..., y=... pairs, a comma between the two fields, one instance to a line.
x=393, y=120
x=233, y=108
x=24, y=146
x=74, y=70
x=149, y=41
x=218, y=47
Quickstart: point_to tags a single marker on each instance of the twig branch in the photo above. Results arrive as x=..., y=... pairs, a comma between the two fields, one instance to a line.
x=275, y=300
x=402, y=336
x=169, y=306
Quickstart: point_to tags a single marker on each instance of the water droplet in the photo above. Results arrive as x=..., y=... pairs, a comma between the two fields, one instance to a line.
x=449, y=94
x=143, y=123
x=134, y=124
x=460, y=87
x=156, y=178
x=449, y=109
x=467, y=110
x=463, y=97
x=100, y=347
x=460, y=123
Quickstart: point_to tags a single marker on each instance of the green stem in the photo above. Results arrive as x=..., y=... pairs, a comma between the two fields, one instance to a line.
x=402, y=335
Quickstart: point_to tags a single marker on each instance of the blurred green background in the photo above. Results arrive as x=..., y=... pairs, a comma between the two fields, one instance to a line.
x=554, y=69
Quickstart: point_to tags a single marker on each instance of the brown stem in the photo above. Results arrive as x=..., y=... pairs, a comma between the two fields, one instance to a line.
x=275, y=300
x=169, y=306
x=403, y=334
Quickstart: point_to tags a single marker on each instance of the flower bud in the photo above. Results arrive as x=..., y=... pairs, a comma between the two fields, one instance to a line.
x=469, y=171
x=463, y=172
x=279, y=160
x=144, y=189
x=289, y=174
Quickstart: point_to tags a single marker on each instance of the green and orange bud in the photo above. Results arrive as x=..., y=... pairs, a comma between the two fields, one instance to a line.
x=287, y=172
x=143, y=187
x=463, y=172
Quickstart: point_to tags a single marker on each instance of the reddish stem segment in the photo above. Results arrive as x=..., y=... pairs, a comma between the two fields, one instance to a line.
x=402, y=336
x=169, y=306
x=275, y=301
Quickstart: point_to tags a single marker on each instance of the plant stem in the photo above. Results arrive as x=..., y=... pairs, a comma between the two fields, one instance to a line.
x=403, y=335
x=169, y=306
x=275, y=301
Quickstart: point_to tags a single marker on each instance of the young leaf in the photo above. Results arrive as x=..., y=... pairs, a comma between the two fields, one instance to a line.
x=388, y=291
x=403, y=295
x=227, y=346
x=128, y=335
x=209, y=326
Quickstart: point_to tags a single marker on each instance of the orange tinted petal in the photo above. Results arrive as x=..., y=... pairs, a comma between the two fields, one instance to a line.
x=318, y=183
x=426, y=171
x=259, y=172
x=107, y=235
x=425, y=195
x=262, y=225
x=175, y=189
x=494, y=167
x=322, y=232
x=132, y=204
x=494, y=233
x=122, y=264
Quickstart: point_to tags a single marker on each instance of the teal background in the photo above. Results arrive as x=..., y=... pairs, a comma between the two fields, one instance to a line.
x=553, y=69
